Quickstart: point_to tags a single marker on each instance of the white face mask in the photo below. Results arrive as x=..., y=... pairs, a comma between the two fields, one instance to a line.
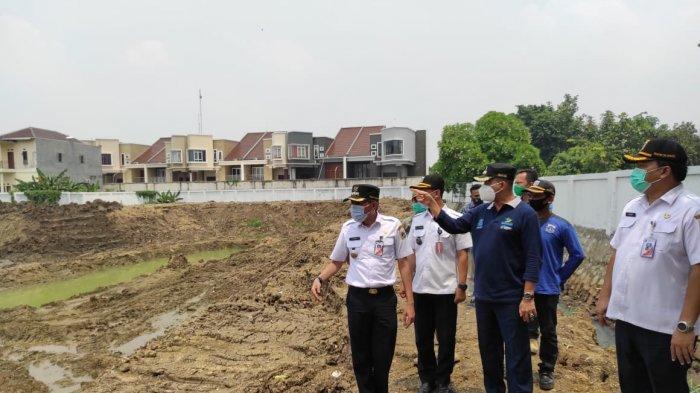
x=488, y=194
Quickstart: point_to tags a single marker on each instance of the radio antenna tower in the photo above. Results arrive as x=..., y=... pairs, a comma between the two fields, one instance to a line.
x=200, y=111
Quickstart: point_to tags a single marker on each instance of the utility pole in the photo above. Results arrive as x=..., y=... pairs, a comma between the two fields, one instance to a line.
x=200, y=111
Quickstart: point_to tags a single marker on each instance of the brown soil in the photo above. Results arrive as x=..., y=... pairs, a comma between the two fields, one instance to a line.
x=250, y=324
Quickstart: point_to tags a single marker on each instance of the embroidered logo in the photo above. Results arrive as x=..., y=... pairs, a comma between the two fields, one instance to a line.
x=550, y=228
x=480, y=224
x=507, y=224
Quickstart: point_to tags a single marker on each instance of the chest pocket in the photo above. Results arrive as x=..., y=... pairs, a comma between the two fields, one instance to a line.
x=626, y=223
x=353, y=244
x=664, y=233
x=419, y=233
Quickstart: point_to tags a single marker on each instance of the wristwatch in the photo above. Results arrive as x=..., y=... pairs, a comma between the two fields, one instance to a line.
x=528, y=296
x=462, y=286
x=685, y=327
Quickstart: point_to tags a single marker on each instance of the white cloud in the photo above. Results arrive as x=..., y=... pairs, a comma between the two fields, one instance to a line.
x=28, y=55
x=149, y=55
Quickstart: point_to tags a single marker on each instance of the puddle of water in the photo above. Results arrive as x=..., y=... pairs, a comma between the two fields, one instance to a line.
x=604, y=335
x=56, y=378
x=40, y=294
x=55, y=349
x=160, y=324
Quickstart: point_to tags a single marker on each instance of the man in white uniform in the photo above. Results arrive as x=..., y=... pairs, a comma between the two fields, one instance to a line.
x=439, y=284
x=371, y=243
x=652, y=284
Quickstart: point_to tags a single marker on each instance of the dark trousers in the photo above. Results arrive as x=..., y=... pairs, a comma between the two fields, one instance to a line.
x=545, y=326
x=644, y=361
x=498, y=324
x=372, y=325
x=435, y=315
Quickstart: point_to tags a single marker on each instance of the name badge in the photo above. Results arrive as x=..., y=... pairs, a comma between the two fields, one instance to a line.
x=648, y=248
x=379, y=247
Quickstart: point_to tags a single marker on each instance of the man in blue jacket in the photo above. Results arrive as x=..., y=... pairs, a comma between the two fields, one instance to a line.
x=557, y=234
x=507, y=248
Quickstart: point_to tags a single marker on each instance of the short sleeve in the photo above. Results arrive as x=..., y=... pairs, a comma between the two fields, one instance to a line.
x=463, y=241
x=402, y=244
x=691, y=236
x=340, y=251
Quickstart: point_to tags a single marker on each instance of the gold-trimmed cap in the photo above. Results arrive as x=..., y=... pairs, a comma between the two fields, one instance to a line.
x=363, y=192
x=431, y=182
x=659, y=149
x=500, y=170
x=541, y=186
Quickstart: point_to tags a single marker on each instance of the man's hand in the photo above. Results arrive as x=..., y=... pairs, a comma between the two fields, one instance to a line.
x=460, y=295
x=527, y=310
x=402, y=292
x=682, y=347
x=601, y=307
x=427, y=199
x=316, y=289
x=409, y=315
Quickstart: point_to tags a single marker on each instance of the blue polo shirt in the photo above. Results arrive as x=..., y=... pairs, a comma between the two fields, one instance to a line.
x=507, y=247
x=557, y=234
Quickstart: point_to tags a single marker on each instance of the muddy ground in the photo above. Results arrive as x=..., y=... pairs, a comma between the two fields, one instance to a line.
x=245, y=323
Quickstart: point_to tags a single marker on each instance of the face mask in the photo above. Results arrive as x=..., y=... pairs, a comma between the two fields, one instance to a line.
x=518, y=189
x=539, y=204
x=638, y=179
x=488, y=194
x=418, y=208
x=357, y=212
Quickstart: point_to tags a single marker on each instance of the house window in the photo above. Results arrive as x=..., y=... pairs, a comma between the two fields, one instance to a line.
x=25, y=158
x=257, y=173
x=300, y=152
x=60, y=157
x=316, y=151
x=218, y=155
x=276, y=152
x=82, y=159
x=394, y=147
x=196, y=155
x=107, y=159
x=235, y=174
x=125, y=159
x=175, y=156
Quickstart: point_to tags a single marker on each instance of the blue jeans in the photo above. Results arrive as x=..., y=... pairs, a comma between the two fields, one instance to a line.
x=499, y=325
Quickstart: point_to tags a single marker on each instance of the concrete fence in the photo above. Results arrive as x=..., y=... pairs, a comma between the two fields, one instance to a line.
x=591, y=200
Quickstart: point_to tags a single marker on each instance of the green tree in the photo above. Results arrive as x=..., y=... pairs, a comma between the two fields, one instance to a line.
x=505, y=138
x=460, y=157
x=553, y=129
x=588, y=157
x=685, y=134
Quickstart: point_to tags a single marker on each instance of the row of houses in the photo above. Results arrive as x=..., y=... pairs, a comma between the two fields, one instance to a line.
x=355, y=153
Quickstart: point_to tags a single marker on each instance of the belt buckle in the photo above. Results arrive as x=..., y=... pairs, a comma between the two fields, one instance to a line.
x=373, y=291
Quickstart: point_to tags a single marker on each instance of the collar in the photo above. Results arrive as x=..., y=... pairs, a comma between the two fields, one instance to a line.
x=514, y=203
x=671, y=195
x=376, y=221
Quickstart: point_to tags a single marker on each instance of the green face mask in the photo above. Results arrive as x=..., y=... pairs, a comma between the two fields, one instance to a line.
x=418, y=208
x=518, y=189
x=638, y=179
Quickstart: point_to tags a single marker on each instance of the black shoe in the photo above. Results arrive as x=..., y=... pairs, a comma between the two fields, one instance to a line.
x=546, y=380
x=445, y=389
x=426, y=387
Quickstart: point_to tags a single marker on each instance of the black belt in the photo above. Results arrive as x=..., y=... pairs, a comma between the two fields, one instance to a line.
x=371, y=291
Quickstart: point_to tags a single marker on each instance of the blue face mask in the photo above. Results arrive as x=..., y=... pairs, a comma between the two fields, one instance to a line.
x=418, y=208
x=357, y=212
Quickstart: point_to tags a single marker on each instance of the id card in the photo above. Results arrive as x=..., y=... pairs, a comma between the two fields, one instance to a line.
x=439, y=247
x=648, y=247
x=379, y=248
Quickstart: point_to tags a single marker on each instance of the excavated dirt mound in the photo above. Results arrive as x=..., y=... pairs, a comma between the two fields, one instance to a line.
x=245, y=323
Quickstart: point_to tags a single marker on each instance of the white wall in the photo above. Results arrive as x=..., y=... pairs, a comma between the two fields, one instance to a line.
x=596, y=200
x=592, y=200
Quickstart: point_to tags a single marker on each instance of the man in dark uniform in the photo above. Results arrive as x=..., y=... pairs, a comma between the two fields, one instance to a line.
x=507, y=248
x=371, y=243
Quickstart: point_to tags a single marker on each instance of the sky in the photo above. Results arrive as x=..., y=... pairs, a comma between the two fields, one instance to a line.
x=132, y=69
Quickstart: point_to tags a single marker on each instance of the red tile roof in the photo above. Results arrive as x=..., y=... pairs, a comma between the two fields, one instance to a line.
x=155, y=154
x=249, y=148
x=352, y=141
x=35, y=133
